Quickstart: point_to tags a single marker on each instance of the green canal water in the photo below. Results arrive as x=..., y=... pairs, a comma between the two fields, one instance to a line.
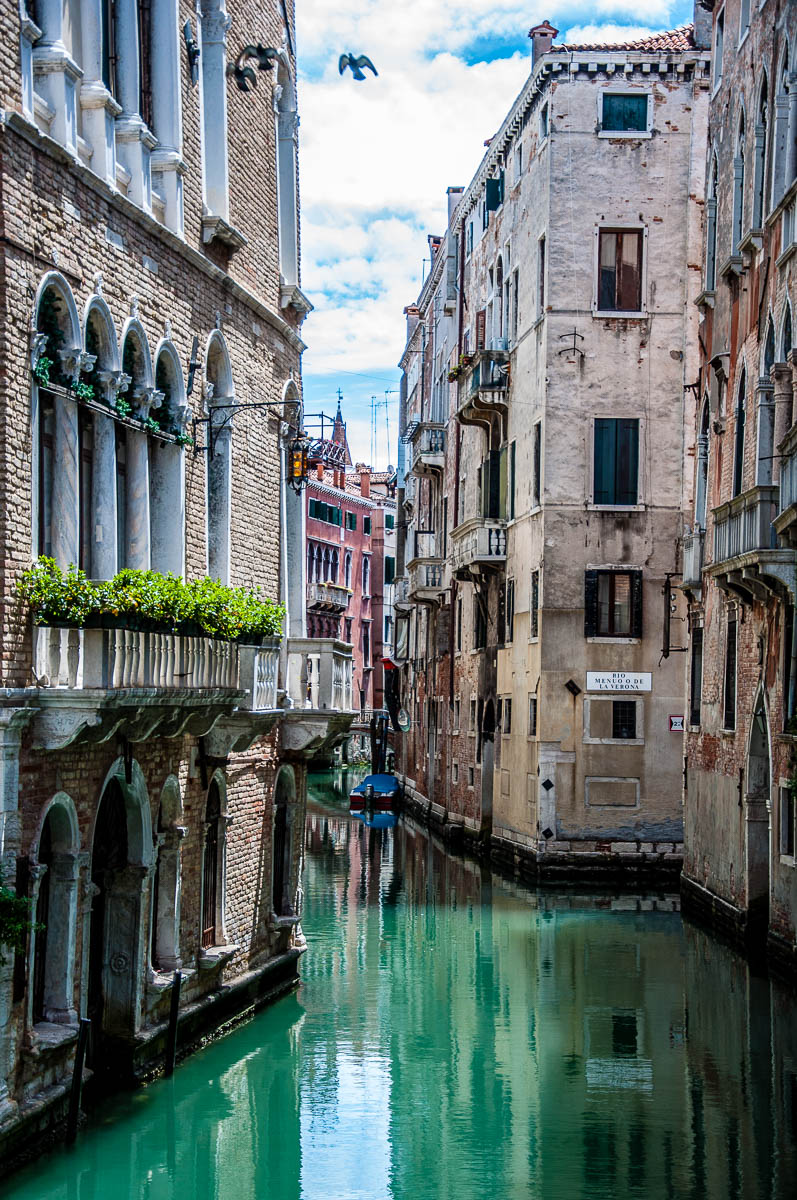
x=457, y=1036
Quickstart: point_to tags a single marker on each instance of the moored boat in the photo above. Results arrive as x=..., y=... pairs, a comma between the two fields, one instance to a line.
x=376, y=793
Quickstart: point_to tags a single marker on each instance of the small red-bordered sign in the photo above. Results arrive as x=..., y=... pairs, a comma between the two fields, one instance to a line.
x=676, y=724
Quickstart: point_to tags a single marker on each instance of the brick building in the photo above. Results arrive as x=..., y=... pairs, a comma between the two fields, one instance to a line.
x=151, y=784
x=739, y=561
x=543, y=462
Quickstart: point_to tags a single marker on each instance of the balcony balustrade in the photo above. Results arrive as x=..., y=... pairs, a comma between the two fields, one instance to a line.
x=786, y=520
x=401, y=594
x=693, y=560
x=326, y=596
x=427, y=449
x=746, y=557
x=479, y=544
x=483, y=392
x=428, y=580
x=320, y=674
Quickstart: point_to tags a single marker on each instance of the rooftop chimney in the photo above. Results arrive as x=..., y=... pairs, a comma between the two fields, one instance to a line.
x=319, y=471
x=542, y=37
x=454, y=196
x=365, y=482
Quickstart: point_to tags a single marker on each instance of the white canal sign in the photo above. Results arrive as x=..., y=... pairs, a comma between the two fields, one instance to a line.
x=618, y=681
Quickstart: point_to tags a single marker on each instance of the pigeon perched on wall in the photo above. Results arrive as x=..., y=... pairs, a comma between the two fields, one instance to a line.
x=356, y=64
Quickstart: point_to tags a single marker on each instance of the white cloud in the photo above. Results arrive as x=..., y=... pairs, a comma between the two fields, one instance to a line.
x=609, y=33
x=376, y=157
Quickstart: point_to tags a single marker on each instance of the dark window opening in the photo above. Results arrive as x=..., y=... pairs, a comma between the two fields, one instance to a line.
x=624, y=1035
x=210, y=867
x=532, y=716
x=696, y=677
x=145, y=60
x=86, y=485
x=613, y=604
x=787, y=821
x=729, y=707
x=622, y=114
x=534, y=605
x=623, y=719
x=46, y=471
x=620, y=270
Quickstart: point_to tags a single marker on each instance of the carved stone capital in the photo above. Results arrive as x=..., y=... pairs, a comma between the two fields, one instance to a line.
x=38, y=344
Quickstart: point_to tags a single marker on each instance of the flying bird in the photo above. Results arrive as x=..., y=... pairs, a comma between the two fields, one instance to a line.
x=356, y=64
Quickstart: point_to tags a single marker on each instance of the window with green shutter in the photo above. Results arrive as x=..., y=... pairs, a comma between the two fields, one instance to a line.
x=390, y=568
x=624, y=114
x=367, y=525
x=390, y=521
x=613, y=604
x=351, y=520
x=616, y=459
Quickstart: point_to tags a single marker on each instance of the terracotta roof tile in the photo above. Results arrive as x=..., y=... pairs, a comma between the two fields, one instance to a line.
x=671, y=41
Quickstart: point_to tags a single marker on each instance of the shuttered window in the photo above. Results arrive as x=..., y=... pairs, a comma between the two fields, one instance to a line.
x=616, y=473
x=729, y=706
x=613, y=604
x=696, y=678
x=624, y=114
x=620, y=270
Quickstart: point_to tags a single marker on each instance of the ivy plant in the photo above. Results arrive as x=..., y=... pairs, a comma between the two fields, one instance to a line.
x=15, y=922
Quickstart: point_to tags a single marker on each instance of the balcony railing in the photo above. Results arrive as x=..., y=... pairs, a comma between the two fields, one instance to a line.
x=788, y=472
x=479, y=542
x=744, y=524
x=693, y=559
x=320, y=674
x=327, y=596
x=427, y=580
x=490, y=373
x=259, y=675
x=428, y=449
x=128, y=658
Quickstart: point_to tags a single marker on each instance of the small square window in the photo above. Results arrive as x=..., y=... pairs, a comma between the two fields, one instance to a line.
x=455, y=772
x=471, y=776
x=613, y=604
x=626, y=113
x=624, y=719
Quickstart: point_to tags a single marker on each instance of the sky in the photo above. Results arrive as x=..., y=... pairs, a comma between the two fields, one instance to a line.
x=375, y=159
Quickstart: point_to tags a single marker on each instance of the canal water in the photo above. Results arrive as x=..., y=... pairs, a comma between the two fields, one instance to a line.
x=458, y=1036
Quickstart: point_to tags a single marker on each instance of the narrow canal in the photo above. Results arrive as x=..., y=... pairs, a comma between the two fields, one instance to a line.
x=457, y=1036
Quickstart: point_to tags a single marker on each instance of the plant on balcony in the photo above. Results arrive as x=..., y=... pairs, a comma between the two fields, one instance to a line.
x=57, y=598
x=454, y=374
x=48, y=369
x=82, y=391
x=123, y=406
x=147, y=600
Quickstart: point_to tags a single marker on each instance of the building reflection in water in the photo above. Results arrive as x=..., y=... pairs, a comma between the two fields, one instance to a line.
x=458, y=1035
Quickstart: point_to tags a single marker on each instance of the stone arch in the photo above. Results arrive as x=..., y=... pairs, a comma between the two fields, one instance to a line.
x=166, y=886
x=768, y=351
x=121, y=863
x=758, y=776
x=282, y=897
x=55, y=872
x=219, y=391
x=780, y=145
x=167, y=465
x=214, y=865
x=100, y=338
x=136, y=355
x=54, y=288
x=760, y=143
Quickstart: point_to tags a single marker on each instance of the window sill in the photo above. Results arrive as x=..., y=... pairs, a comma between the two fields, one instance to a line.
x=625, y=134
x=285, y=921
x=608, y=640
x=619, y=314
x=706, y=298
x=733, y=265
x=621, y=508
x=216, y=229
x=216, y=956
x=590, y=741
x=788, y=860
x=752, y=240
x=727, y=733
x=786, y=255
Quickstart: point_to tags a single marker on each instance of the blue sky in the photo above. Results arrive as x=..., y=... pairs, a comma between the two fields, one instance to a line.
x=376, y=158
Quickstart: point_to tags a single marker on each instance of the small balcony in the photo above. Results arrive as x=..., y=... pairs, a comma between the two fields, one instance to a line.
x=478, y=545
x=484, y=391
x=428, y=448
x=747, y=560
x=320, y=674
x=786, y=519
x=401, y=593
x=692, y=576
x=427, y=580
x=327, y=597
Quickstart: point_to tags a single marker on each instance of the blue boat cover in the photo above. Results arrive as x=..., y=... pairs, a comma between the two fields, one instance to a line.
x=380, y=783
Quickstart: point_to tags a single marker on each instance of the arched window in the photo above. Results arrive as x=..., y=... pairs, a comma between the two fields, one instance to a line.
x=347, y=568
x=57, y=871
x=760, y=167
x=310, y=562
x=213, y=869
x=738, y=458
x=738, y=185
x=785, y=132
x=701, y=497
x=57, y=358
x=165, y=908
x=366, y=576
x=769, y=350
x=786, y=334
x=98, y=514
x=167, y=466
x=333, y=572
x=711, y=228
x=220, y=393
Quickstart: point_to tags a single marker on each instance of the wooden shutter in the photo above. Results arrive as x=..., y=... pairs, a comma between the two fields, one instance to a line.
x=590, y=604
x=605, y=461
x=481, y=328
x=629, y=271
x=512, y=481
x=492, y=194
x=627, y=462
x=636, y=604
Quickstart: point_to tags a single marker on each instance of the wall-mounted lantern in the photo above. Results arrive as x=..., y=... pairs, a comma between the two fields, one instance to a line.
x=298, y=469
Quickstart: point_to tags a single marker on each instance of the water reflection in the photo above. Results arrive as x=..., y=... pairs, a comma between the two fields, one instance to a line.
x=458, y=1035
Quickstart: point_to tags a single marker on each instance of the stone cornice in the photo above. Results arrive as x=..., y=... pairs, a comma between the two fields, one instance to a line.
x=18, y=124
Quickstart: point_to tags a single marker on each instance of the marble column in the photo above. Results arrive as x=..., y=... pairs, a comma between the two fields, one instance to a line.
x=56, y=74
x=134, y=141
x=99, y=109
x=214, y=26
x=765, y=432
x=167, y=117
x=66, y=475
x=138, y=532
x=29, y=34
x=103, y=550
x=59, y=997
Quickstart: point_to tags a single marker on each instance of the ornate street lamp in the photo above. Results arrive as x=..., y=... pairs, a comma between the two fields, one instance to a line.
x=297, y=462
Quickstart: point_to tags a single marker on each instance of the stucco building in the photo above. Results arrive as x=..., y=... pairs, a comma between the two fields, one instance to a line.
x=545, y=395
x=151, y=782
x=739, y=562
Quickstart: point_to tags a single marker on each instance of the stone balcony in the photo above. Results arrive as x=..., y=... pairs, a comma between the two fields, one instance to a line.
x=428, y=580
x=428, y=448
x=320, y=694
x=483, y=393
x=786, y=519
x=93, y=684
x=692, y=574
x=478, y=545
x=401, y=593
x=327, y=597
x=746, y=559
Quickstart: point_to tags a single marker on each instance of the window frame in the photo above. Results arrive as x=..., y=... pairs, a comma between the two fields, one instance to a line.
x=635, y=134
x=727, y=683
x=620, y=313
x=640, y=501
x=588, y=738
x=592, y=630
